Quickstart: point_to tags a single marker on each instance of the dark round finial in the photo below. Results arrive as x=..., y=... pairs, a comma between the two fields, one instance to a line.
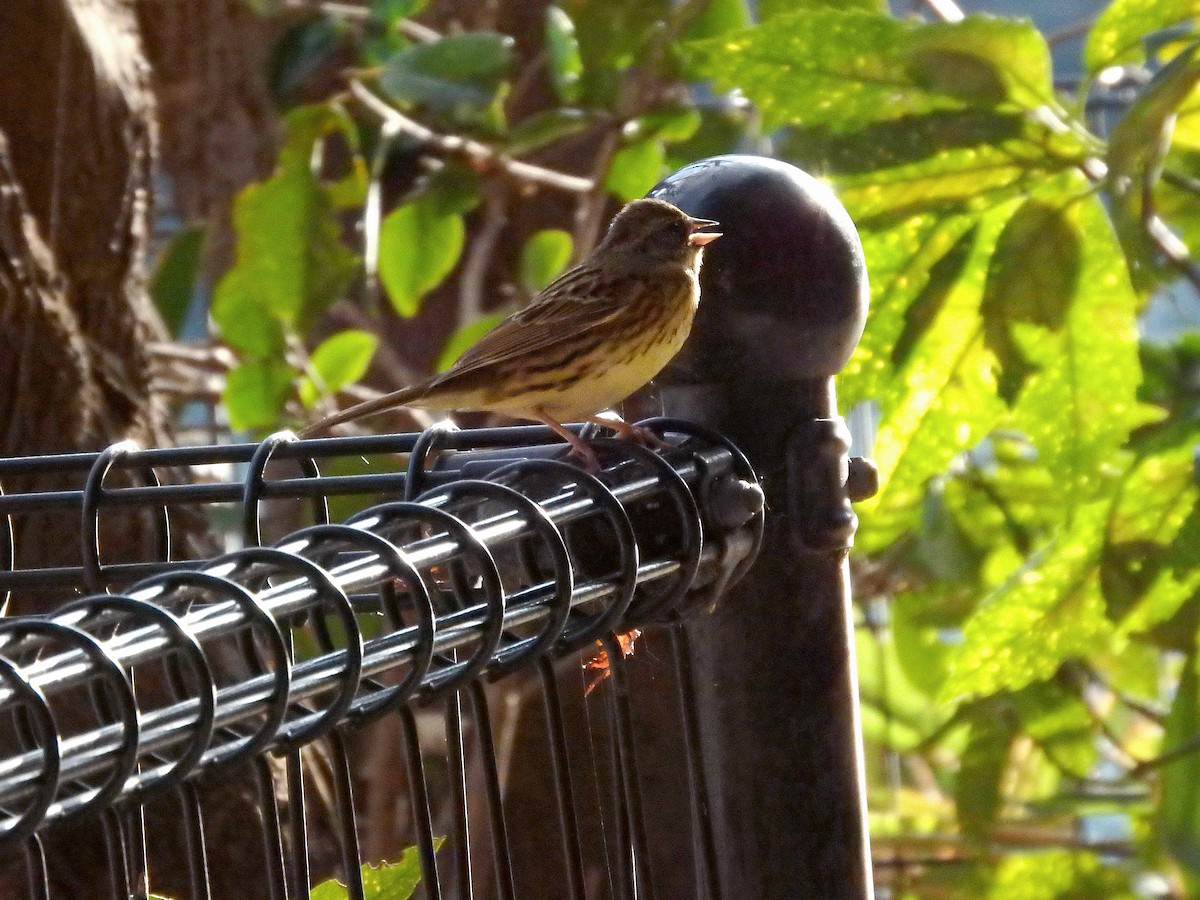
x=784, y=291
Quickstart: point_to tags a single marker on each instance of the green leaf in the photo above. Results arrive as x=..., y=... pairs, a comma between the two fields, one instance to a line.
x=340, y=360
x=1143, y=135
x=919, y=647
x=635, y=169
x=290, y=263
x=174, y=281
x=612, y=34
x=418, y=247
x=464, y=337
x=301, y=52
x=1048, y=611
x=389, y=12
x=977, y=796
x=457, y=69
x=1179, y=788
x=1032, y=279
x=1081, y=404
x=769, y=9
x=545, y=128
x=544, y=257
x=566, y=63
x=671, y=124
x=1118, y=35
x=719, y=17
x=255, y=393
x=846, y=68
x=1058, y=875
x=1061, y=725
x=387, y=881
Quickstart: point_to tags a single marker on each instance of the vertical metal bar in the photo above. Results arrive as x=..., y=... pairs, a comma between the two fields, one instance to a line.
x=705, y=843
x=139, y=862
x=193, y=836
x=457, y=762
x=297, y=825
x=418, y=792
x=626, y=754
x=343, y=785
x=35, y=869
x=501, y=853
x=564, y=789
x=118, y=860
x=272, y=836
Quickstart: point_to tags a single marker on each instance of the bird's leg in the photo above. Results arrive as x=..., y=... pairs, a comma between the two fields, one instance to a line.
x=643, y=436
x=579, y=447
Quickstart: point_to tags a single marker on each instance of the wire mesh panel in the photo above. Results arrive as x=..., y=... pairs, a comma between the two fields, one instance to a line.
x=417, y=577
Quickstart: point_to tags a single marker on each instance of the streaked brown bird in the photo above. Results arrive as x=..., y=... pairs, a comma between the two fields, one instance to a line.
x=594, y=336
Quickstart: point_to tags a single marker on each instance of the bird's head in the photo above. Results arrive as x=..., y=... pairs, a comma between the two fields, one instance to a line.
x=657, y=232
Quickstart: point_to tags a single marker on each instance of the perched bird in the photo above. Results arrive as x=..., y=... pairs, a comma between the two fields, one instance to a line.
x=585, y=343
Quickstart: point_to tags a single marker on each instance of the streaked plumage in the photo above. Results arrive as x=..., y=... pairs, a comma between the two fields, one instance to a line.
x=589, y=340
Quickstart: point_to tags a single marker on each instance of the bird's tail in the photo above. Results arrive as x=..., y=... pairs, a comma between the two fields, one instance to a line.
x=394, y=400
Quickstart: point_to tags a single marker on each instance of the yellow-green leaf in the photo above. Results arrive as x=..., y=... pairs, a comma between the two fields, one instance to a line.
x=255, y=393
x=464, y=338
x=340, y=360
x=544, y=257
x=1118, y=34
x=418, y=247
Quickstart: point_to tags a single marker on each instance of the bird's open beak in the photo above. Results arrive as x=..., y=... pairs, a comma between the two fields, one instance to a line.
x=700, y=238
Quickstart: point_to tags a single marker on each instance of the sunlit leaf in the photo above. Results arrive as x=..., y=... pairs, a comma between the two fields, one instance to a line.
x=464, y=337
x=1032, y=279
x=173, y=284
x=1179, y=790
x=635, y=169
x=566, y=63
x=1059, y=875
x=845, y=68
x=418, y=247
x=768, y=9
x=719, y=17
x=255, y=393
x=341, y=359
x=1118, y=35
x=457, y=69
x=1054, y=595
x=544, y=257
x=386, y=881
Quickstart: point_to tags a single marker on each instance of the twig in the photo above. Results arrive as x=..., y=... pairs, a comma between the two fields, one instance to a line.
x=479, y=257
x=946, y=10
x=479, y=155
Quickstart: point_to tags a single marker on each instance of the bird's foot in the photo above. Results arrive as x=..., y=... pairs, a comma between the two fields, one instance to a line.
x=639, y=435
x=580, y=449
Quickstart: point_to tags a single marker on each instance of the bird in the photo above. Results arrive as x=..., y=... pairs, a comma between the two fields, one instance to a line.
x=596, y=334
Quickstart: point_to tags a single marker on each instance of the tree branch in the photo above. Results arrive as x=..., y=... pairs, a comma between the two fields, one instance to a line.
x=478, y=154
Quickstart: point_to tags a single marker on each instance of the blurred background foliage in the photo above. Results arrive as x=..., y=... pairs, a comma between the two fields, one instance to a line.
x=1026, y=581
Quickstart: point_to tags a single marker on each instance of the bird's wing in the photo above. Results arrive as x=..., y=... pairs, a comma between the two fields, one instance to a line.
x=580, y=301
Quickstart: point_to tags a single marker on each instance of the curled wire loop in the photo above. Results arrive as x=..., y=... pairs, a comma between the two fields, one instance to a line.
x=94, y=577
x=255, y=566
x=325, y=545
x=581, y=628
x=259, y=636
x=399, y=516
x=682, y=521
x=111, y=698
x=256, y=479
x=518, y=651
x=113, y=614
x=36, y=728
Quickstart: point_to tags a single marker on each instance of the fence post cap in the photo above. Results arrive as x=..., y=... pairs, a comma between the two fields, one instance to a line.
x=784, y=291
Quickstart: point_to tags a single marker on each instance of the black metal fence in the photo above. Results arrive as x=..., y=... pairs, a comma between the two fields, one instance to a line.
x=487, y=557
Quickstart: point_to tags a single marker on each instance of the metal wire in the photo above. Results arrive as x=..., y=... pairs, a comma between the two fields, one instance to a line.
x=499, y=557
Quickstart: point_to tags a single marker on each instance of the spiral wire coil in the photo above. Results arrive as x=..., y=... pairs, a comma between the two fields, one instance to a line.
x=484, y=558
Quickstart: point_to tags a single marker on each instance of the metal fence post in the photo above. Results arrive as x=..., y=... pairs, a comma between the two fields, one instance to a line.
x=784, y=301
